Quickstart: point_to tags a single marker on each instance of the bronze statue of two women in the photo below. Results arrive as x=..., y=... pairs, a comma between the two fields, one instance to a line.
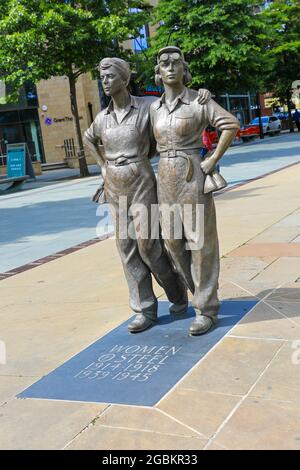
x=123, y=138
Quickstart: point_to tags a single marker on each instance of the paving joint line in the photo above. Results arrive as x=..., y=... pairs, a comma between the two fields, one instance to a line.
x=261, y=338
x=279, y=220
x=91, y=423
x=237, y=406
x=53, y=257
x=266, y=267
x=182, y=423
x=203, y=358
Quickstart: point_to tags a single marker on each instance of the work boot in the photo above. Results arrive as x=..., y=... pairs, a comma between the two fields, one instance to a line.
x=180, y=307
x=140, y=323
x=201, y=325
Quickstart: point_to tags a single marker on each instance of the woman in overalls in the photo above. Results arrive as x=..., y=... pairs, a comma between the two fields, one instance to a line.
x=178, y=121
x=124, y=131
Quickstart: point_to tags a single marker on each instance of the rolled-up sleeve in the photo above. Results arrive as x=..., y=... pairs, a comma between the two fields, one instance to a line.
x=220, y=118
x=92, y=134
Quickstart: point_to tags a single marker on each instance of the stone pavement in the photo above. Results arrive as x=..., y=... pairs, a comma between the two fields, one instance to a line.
x=55, y=215
x=244, y=394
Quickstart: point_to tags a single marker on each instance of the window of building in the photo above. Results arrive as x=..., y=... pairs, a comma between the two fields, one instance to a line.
x=140, y=43
x=20, y=126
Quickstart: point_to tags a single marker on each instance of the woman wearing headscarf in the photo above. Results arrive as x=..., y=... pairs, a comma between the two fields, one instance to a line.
x=178, y=121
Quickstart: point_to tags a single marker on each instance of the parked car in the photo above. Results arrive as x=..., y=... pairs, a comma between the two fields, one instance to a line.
x=245, y=133
x=213, y=135
x=248, y=132
x=271, y=124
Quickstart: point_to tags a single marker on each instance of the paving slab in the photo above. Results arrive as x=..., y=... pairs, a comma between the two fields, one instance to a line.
x=42, y=424
x=281, y=381
x=242, y=289
x=285, y=230
x=236, y=268
x=289, y=310
x=275, y=250
x=99, y=437
x=203, y=411
x=278, y=197
x=11, y=385
x=291, y=221
x=219, y=373
x=283, y=270
x=214, y=446
x=144, y=419
x=52, y=333
x=91, y=275
x=262, y=425
x=267, y=322
x=277, y=234
x=288, y=293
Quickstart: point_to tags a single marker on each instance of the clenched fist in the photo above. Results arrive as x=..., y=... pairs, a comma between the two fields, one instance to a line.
x=208, y=165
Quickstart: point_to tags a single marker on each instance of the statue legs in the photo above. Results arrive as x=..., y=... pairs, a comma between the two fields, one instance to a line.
x=196, y=253
x=139, y=242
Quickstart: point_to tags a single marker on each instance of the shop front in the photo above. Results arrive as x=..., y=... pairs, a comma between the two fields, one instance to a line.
x=19, y=123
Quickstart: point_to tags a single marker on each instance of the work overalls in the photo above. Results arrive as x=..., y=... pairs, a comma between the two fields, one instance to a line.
x=178, y=132
x=131, y=178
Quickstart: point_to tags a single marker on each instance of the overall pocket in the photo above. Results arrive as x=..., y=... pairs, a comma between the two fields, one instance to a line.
x=185, y=124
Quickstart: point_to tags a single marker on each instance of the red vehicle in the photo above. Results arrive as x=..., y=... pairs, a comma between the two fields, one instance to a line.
x=245, y=133
x=213, y=136
x=248, y=132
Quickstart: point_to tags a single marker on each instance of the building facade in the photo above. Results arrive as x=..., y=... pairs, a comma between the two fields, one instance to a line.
x=43, y=119
x=19, y=122
x=56, y=120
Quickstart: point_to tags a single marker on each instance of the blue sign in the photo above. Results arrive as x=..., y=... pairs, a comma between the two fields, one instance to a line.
x=136, y=369
x=154, y=89
x=48, y=121
x=16, y=155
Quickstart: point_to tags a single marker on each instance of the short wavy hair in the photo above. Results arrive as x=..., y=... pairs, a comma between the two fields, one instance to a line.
x=120, y=65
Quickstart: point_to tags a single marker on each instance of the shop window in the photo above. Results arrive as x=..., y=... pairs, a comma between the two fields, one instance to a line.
x=18, y=127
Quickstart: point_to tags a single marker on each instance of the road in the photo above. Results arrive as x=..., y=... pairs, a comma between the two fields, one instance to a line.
x=57, y=215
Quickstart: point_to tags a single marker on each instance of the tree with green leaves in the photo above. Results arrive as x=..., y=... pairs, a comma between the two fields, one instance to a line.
x=40, y=39
x=282, y=41
x=221, y=41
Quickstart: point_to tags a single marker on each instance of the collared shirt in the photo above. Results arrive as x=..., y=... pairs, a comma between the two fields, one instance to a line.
x=180, y=126
x=129, y=137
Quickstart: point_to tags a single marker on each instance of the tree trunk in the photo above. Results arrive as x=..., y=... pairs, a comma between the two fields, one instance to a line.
x=291, y=122
x=84, y=171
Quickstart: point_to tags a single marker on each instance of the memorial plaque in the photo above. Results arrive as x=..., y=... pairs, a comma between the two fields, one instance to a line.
x=137, y=369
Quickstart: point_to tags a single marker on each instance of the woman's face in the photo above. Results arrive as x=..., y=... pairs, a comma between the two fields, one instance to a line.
x=171, y=68
x=112, y=82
